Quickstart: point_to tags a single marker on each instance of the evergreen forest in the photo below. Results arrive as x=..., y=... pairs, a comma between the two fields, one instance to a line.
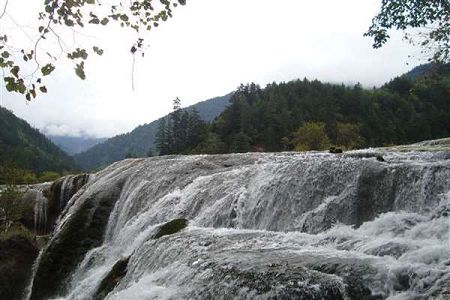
x=311, y=115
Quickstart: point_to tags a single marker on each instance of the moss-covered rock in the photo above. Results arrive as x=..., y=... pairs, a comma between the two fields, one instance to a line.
x=17, y=254
x=171, y=227
x=118, y=271
x=60, y=193
x=82, y=232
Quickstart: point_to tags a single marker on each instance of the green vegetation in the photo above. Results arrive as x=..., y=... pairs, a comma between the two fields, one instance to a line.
x=11, y=207
x=21, y=176
x=49, y=176
x=18, y=251
x=26, y=148
x=311, y=136
x=431, y=17
x=18, y=248
x=141, y=140
x=181, y=132
x=69, y=15
x=348, y=136
x=82, y=232
x=410, y=108
x=310, y=115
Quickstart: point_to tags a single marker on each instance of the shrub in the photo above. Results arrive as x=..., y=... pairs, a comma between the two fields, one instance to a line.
x=49, y=176
x=348, y=135
x=311, y=136
x=11, y=207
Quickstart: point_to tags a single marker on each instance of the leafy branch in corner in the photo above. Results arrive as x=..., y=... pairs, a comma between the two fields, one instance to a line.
x=430, y=17
x=139, y=16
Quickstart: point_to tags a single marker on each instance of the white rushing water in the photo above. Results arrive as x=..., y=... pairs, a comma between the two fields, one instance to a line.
x=315, y=225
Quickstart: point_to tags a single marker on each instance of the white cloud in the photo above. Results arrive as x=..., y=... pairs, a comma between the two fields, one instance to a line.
x=207, y=50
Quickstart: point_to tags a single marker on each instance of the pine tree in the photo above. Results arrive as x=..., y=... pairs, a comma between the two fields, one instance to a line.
x=162, y=139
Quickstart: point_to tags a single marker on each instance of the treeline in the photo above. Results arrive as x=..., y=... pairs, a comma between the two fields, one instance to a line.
x=306, y=115
x=181, y=132
x=12, y=175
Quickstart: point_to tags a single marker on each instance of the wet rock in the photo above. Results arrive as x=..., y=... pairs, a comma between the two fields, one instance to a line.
x=274, y=283
x=118, y=271
x=60, y=193
x=17, y=254
x=379, y=157
x=82, y=232
x=29, y=199
x=171, y=227
x=335, y=150
x=375, y=194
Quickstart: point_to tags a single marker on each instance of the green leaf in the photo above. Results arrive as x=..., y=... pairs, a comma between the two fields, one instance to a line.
x=43, y=89
x=79, y=71
x=15, y=71
x=10, y=84
x=104, y=21
x=47, y=69
x=94, y=21
x=20, y=87
x=98, y=50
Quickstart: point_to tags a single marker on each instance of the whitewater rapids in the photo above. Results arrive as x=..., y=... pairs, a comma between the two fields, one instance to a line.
x=261, y=226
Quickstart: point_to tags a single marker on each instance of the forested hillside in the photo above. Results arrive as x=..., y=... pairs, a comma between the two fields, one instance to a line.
x=139, y=141
x=310, y=115
x=301, y=115
x=26, y=148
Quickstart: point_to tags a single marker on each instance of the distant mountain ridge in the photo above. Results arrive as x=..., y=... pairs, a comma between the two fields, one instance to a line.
x=142, y=138
x=74, y=145
x=27, y=148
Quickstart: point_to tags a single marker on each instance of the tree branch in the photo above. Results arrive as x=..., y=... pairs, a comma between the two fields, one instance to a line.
x=4, y=9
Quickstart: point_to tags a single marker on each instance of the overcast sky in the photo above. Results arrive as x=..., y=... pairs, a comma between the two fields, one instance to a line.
x=207, y=49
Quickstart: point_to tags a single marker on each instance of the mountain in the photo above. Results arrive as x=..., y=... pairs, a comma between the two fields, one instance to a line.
x=74, y=145
x=27, y=148
x=420, y=71
x=311, y=115
x=141, y=139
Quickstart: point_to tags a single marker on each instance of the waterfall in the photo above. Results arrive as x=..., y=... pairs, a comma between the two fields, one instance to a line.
x=40, y=213
x=286, y=225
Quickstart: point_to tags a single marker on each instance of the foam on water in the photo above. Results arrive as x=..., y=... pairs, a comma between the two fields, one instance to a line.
x=269, y=225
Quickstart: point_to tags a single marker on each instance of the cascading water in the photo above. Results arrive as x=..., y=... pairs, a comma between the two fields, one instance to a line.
x=288, y=225
x=50, y=199
x=40, y=213
x=67, y=187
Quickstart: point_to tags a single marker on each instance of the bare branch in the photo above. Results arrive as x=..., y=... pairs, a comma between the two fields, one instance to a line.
x=4, y=9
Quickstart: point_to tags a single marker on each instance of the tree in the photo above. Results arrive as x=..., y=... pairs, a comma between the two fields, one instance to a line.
x=11, y=202
x=431, y=16
x=162, y=139
x=56, y=17
x=348, y=135
x=240, y=143
x=150, y=152
x=311, y=136
x=212, y=144
x=176, y=128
